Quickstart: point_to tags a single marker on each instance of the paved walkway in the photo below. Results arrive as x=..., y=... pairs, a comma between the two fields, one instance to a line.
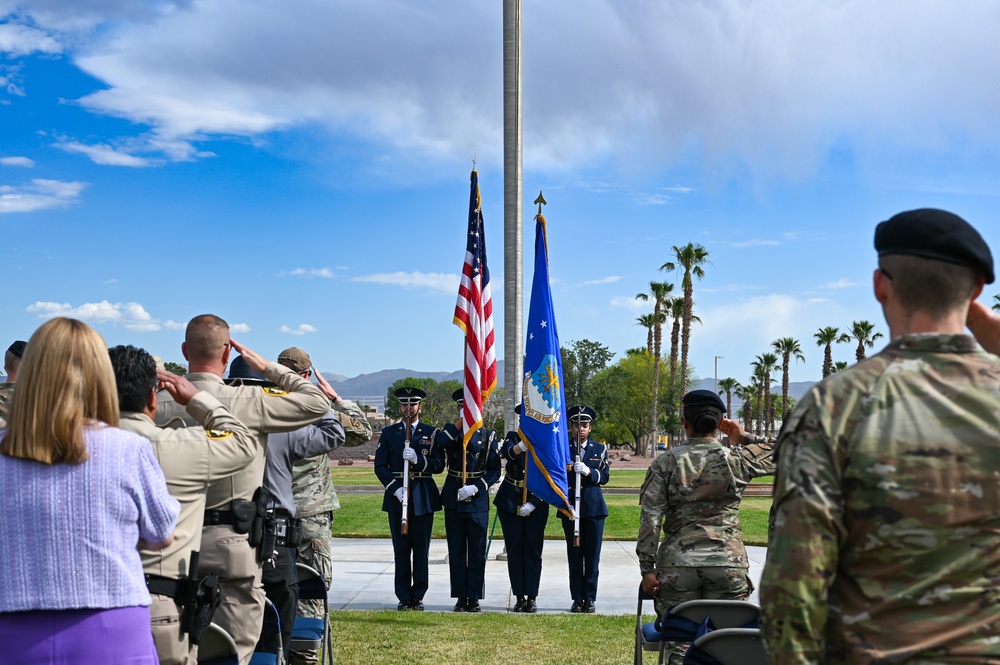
x=363, y=577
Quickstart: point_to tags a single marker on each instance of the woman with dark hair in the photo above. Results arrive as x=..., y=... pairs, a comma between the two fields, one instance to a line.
x=81, y=496
x=692, y=494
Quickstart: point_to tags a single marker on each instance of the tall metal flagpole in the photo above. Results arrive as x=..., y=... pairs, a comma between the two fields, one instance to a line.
x=513, y=291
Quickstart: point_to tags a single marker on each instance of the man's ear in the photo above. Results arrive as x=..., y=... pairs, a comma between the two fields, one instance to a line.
x=152, y=403
x=184, y=350
x=225, y=355
x=880, y=285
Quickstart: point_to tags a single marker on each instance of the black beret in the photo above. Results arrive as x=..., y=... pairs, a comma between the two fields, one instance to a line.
x=409, y=394
x=704, y=398
x=17, y=348
x=581, y=414
x=459, y=395
x=935, y=234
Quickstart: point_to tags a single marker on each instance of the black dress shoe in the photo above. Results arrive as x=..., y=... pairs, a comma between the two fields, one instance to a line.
x=472, y=605
x=402, y=607
x=417, y=604
x=519, y=605
x=588, y=607
x=529, y=606
x=460, y=605
x=577, y=607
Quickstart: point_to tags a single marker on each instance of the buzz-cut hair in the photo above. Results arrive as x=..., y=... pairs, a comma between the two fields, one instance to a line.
x=206, y=337
x=929, y=285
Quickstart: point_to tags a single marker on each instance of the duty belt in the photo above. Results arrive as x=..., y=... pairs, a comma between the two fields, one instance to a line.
x=399, y=474
x=283, y=526
x=515, y=483
x=468, y=474
x=213, y=517
x=166, y=586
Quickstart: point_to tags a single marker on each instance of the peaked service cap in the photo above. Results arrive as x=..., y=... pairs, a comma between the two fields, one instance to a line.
x=581, y=414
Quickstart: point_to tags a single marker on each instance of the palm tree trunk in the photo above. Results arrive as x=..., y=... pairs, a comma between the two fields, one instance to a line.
x=827, y=361
x=686, y=330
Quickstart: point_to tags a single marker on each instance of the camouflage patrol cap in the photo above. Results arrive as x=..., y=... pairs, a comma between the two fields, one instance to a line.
x=580, y=414
x=935, y=234
x=459, y=396
x=703, y=398
x=239, y=368
x=409, y=395
x=295, y=359
x=17, y=348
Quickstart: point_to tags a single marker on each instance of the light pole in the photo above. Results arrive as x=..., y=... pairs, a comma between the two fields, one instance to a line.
x=717, y=374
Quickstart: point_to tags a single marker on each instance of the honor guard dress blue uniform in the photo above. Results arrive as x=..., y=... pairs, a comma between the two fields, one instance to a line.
x=423, y=501
x=467, y=508
x=523, y=523
x=593, y=469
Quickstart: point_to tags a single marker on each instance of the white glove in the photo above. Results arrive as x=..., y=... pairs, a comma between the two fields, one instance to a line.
x=400, y=494
x=581, y=468
x=410, y=455
x=467, y=492
x=524, y=448
x=526, y=509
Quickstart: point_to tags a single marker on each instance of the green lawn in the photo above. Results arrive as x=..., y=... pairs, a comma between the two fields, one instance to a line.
x=361, y=516
x=433, y=638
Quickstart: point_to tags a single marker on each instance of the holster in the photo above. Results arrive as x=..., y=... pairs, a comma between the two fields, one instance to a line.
x=243, y=513
x=260, y=500
x=201, y=597
x=294, y=537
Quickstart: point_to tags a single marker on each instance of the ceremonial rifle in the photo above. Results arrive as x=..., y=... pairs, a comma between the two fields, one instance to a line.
x=404, y=525
x=579, y=476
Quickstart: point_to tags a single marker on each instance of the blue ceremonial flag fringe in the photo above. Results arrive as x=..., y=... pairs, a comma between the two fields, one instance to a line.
x=543, y=407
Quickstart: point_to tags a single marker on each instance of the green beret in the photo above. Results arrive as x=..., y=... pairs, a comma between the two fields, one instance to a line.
x=935, y=234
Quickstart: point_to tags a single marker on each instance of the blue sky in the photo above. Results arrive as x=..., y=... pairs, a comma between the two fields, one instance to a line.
x=301, y=168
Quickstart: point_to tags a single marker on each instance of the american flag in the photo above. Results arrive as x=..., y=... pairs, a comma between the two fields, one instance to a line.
x=474, y=315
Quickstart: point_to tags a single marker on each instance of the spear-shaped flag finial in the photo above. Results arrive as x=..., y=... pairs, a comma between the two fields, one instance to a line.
x=540, y=201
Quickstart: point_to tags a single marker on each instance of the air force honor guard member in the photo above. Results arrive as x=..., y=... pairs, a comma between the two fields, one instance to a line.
x=423, y=499
x=231, y=514
x=593, y=470
x=191, y=458
x=467, y=507
x=523, y=517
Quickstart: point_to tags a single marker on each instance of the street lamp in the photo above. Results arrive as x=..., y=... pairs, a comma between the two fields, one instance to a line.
x=717, y=374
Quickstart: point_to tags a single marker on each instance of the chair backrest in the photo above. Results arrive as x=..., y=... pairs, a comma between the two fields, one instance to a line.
x=312, y=586
x=217, y=647
x=724, y=613
x=270, y=638
x=729, y=646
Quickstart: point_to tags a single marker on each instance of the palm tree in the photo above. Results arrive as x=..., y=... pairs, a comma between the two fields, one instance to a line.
x=839, y=365
x=996, y=303
x=746, y=392
x=675, y=309
x=862, y=332
x=825, y=337
x=660, y=292
x=788, y=348
x=690, y=257
x=648, y=321
x=728, y=385
x=763, y=365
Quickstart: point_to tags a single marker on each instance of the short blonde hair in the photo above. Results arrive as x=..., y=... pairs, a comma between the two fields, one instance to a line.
x=66, y=384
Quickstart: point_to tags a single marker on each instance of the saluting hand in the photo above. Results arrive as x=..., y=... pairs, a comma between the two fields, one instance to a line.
x=732, y=429
x=985, y=325
x=257, y=363
x=326, y=388
x=179, y=388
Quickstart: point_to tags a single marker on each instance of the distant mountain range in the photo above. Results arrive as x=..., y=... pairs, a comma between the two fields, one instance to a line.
x=376, y=384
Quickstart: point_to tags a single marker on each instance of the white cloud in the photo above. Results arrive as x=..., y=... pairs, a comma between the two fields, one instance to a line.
x=240, y=328
x=170, y=324
x=631, y=304
x=301, y=330
x=611, y=279
x=17, y=161
x=130, y=316
x=842, y=283
x=19, y=40
x=652, y=199
x=434, y=281
x=105, y=154
x=754, y=242
x=39, y=195
x=308, y=273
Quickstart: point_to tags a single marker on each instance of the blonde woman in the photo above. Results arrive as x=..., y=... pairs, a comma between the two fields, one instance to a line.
x=80, y=495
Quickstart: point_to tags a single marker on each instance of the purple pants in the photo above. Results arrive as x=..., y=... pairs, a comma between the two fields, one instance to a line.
x=120, y=636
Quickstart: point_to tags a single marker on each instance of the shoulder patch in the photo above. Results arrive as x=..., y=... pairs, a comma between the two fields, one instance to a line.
x=273, y=391
x=217, y=434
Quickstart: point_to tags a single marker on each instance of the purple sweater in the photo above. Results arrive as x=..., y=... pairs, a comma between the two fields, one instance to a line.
x=69, y=532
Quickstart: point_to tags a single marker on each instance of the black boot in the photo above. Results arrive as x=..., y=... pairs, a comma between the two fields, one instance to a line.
x=519, y=605
x=529, y=606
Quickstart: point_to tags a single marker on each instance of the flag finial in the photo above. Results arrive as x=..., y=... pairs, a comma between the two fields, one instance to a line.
x=540, y=201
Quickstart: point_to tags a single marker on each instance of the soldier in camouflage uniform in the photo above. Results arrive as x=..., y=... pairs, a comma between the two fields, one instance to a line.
x=692, y=493
x=885, y=545
x=316, y=499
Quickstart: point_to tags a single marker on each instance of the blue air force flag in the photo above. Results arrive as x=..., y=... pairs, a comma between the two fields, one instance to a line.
x=543, y=409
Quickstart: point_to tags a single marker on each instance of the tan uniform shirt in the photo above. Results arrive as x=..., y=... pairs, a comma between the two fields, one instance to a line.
x=293, y=404
x=191, y=459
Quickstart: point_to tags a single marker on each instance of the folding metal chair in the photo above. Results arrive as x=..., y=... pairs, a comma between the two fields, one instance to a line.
x=271, y=629
x=217, y=647
x=309, y=633
x=647, y=633
x=728, y=646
